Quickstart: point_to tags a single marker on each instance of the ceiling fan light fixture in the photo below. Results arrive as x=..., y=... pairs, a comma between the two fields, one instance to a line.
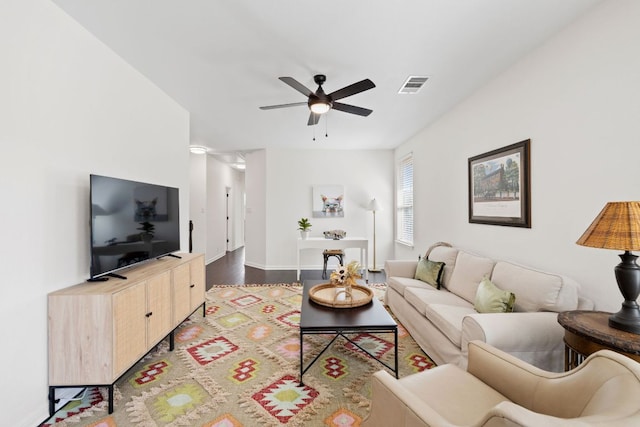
x=320, y=107
x=320, y=102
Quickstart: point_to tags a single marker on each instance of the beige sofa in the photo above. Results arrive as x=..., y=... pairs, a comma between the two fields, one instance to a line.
x=444, y=321
x=501, y=390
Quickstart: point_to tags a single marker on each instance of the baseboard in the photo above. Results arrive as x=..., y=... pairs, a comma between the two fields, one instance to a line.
x=35, y=416
x=286, y=267
x=215, y=258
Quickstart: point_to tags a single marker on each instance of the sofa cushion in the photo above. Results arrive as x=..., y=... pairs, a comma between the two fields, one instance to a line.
x=447, y=255
x=536, y=290
x=399, y=284
x=491, y=299
x=448, y=319
x=419, y=298
x=468, y=272
x=429, y=272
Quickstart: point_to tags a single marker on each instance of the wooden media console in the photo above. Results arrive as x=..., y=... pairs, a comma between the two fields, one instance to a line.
x=99, y=330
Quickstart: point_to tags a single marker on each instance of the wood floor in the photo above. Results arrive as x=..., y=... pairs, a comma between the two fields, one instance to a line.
x=230, y=270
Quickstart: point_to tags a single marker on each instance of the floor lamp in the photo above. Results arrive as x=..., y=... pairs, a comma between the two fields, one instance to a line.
x=373, y=207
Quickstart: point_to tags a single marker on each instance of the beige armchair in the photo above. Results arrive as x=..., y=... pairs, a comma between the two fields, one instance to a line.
x=500, y=390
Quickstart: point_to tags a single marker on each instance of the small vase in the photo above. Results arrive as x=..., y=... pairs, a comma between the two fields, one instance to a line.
x=348, y=285
x=304, y=234
x=345, y=290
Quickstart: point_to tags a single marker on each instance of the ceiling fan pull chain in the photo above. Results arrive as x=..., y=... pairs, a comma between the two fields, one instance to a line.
x=326, y=125
x=314, y=133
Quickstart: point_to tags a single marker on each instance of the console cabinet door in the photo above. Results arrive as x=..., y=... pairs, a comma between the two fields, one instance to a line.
x=197, y=284
x=181, y=293
x=159, y=321
x=130, y=321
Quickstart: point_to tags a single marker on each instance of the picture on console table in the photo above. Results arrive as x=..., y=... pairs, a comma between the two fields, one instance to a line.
x=500, y=186
x=328, y=201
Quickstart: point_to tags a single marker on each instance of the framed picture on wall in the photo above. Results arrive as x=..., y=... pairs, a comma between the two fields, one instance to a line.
x=500, y=186
x=328, y=201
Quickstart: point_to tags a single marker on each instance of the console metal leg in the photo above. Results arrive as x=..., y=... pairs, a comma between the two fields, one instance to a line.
x=111, y=399
x=52, y=401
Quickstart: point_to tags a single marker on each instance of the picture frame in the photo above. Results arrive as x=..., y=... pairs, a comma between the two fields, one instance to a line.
x=328, y=201
x=500, y=186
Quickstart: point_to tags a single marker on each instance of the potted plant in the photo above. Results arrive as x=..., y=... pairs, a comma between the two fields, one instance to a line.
x=304, y=226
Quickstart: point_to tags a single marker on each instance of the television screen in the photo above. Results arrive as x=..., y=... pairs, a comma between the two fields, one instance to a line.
x=131, y=222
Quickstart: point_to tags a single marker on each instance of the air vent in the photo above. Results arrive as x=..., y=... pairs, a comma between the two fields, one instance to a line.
x=413, y=85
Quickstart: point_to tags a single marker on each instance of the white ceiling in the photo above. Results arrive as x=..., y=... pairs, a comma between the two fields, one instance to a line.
x=221, y=59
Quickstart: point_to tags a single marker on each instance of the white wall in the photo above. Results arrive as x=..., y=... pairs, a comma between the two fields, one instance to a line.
x=69, y=107
x=198, y=201
x=577, y=98
x=288, y=180
x=255, y=209
x=237, y=210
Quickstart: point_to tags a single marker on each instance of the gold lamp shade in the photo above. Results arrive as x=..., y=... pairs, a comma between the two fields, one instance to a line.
x=618, y=227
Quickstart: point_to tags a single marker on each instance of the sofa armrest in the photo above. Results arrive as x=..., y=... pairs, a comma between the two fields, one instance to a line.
x=535, y=337
x=509, y=413
x=400, y=268
x=603, y=389
x=514, y=378
x=393, y=405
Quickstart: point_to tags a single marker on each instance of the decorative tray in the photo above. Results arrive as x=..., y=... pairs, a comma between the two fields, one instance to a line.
x=330, y=295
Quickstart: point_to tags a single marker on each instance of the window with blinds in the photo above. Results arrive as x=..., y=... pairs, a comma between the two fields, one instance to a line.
x=404, y=204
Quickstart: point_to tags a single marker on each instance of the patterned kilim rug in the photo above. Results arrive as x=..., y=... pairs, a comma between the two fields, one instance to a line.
x=239, y=366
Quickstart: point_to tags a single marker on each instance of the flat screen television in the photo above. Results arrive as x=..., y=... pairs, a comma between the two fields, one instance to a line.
x=131, y=222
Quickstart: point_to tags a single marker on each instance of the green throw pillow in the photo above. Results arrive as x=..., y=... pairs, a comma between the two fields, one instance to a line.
x=429, y=272
x=491, y=299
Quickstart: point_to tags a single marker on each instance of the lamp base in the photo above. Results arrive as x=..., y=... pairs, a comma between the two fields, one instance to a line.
x=627, y=319
x=628, y=278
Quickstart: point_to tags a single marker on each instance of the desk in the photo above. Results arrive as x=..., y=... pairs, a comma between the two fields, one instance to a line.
x=588, y=331
x=347, y=242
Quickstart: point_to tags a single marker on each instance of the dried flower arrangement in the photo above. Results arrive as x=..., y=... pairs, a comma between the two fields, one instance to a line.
x=346, y=275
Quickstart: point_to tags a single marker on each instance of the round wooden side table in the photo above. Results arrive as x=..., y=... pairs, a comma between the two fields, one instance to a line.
x=588, y=331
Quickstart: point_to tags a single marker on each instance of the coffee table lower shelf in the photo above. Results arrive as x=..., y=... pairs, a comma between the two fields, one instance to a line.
x=342, y=334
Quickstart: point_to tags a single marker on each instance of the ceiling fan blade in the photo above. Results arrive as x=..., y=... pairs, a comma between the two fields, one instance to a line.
x=272, y=107
x=351, y=109
x=313, y=119
x=358, y=87
x=297, y=85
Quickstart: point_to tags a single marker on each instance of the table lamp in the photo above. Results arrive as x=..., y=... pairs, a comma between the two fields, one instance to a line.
x=618, y=227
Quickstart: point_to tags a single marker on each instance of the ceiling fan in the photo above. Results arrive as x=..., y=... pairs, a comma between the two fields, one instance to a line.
x=320, y=102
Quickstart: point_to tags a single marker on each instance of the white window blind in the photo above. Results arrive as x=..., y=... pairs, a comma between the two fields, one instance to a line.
x=404, y=205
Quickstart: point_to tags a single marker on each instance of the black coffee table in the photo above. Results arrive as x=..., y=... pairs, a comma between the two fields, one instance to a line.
x=317, y=319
